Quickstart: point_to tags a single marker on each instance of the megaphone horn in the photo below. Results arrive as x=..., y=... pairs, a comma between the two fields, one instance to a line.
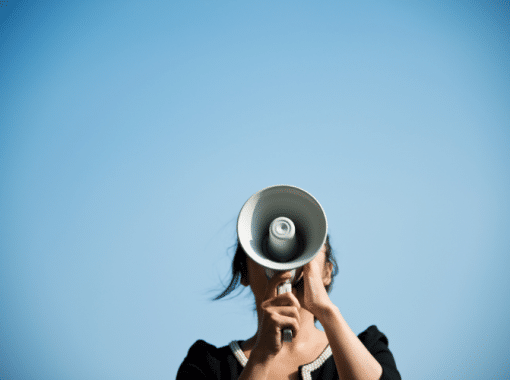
x=282, y=228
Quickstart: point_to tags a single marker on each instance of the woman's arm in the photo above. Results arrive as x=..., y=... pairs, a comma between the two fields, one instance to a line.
x=352, y=359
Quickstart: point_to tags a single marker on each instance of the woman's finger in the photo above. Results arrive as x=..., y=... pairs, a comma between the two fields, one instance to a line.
x=281, y=322
x=285, y=299
x=272, y=285
x=287, y=311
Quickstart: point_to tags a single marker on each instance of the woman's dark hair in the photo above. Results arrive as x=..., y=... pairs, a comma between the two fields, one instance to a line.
x=240, y=269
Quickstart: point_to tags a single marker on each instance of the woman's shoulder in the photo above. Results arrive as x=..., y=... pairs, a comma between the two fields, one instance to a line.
x=206, y=361
x=371, y=336
x=377, y=344
x=202, y=349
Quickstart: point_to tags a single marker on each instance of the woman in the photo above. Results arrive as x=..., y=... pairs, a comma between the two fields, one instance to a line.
x=336, y=353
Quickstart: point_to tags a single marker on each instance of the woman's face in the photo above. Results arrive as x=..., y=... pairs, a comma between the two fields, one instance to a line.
x=257, y=278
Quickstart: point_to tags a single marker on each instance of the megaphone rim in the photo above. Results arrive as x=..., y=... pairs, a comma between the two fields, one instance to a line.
x=282, y=266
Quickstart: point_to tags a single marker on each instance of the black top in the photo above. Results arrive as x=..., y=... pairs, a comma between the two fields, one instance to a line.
x=205, y=361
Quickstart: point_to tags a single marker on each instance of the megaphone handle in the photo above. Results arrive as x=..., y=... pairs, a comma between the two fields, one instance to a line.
x=285, y=288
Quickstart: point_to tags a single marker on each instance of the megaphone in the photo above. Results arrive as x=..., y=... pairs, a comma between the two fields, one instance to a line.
x=282, y=228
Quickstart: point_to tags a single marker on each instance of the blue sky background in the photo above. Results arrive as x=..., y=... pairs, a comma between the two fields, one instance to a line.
x=132, y=133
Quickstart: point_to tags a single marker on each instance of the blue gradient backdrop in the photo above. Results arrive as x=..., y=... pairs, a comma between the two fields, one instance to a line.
x=133, y=132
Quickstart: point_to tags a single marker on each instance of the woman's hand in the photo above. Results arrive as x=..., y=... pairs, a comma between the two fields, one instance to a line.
x=278, y=312
x=315, y=298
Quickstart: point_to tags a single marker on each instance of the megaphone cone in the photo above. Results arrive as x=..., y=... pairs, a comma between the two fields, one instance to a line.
x=271, y=203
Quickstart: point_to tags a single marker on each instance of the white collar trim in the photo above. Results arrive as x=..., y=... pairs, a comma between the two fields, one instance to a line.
x=306, y=370
x=238, y=353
